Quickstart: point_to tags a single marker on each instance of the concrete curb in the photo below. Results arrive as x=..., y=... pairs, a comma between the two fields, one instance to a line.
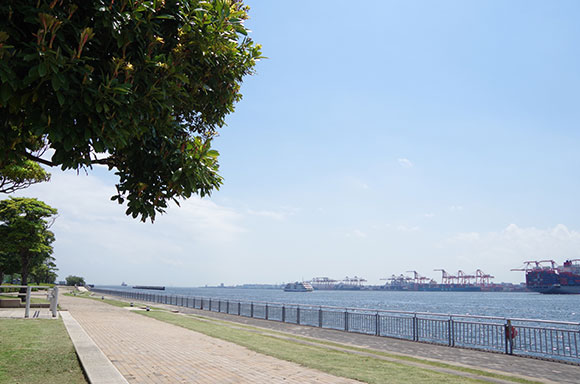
x=97, y=366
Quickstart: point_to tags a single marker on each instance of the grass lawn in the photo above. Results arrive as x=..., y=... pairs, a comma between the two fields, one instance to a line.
x=92, y=296
x=379, y=353
x=339, y=363
x=37, y=351
x=33, y=300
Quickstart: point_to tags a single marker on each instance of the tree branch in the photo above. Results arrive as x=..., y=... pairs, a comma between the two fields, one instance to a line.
x=39, y=159
x=106, y=161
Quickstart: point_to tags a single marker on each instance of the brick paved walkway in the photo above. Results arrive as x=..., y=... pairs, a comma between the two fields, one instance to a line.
x=145, y=350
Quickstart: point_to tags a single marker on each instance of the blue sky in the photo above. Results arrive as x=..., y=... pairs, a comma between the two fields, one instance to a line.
x=376, y=138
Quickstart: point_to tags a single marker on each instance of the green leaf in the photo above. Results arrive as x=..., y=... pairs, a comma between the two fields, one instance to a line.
x=55, y=83
x=5, y=92
x=61, y=99
x=42, y=69
x=122, y=90
x=167, y=17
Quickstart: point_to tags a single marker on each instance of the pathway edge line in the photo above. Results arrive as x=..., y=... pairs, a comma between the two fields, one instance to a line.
x=97, y=367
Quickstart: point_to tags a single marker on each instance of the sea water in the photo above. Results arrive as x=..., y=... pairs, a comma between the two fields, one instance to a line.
x=527, y=305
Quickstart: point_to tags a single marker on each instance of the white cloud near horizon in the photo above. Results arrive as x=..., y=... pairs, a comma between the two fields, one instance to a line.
x=510, y=247
x=95, y=239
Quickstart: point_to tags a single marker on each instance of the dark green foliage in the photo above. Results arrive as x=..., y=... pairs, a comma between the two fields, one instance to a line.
x=44, y=273
x=139, y=86
x=25, y=238
x=75, y=280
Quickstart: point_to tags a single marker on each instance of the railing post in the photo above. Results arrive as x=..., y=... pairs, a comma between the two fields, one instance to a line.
x=219, y=305
x=27, y=310
x=252, y=310
x=415, y=328
x=201, y=303
x=283, y=313
x=320, y=317
x=377, y=324
x=298, y=314
x=266, y=311
x=239, y=308
x=227, y=306
x=450, y=331
x=346, y=320
x=54, y=301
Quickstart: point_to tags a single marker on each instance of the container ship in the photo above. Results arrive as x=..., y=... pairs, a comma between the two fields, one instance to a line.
x=545, y=276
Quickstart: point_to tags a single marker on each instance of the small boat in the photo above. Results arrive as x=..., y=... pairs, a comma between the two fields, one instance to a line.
x=298, y=287
x=123, y=284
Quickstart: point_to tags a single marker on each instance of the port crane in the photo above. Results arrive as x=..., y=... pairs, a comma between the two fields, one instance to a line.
x=464, y=279
x=323, y=282
x=446, y=278
x=398, y=280
x=535, y=264
x=354, y=280
x=482, y=278
x=418, y=279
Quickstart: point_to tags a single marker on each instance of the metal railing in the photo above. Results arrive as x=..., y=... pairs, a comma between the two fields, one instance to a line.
x=51, y=296
x=525, y=337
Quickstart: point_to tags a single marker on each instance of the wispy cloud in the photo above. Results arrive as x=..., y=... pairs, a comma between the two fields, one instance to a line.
x=407, y=228
x=405, y=163
x=356, y=183
x=357, y=233
x=429, y=215
x=276, y=215
x=455, y=208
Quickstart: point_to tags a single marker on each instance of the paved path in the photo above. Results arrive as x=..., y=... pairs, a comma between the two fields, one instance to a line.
x=145, y=350
x=18, y=313
x=547, y=371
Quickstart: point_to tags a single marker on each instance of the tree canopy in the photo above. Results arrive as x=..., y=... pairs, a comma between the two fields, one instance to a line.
x=140, y=86
x=75, y=280
x=25, y=238
x=16, y=176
